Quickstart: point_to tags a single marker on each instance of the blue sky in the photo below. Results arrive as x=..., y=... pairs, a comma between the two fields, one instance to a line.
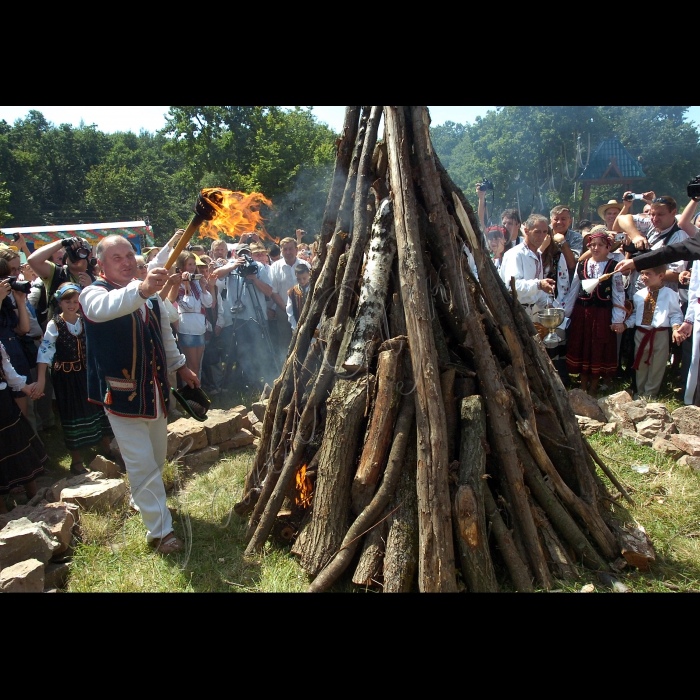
x=110, y=119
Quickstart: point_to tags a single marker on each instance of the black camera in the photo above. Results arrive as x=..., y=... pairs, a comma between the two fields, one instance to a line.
x=485, y=185
x=250, y=267
x=13, y=236
x=76, y=254
x=694, y=188
x=24, y=287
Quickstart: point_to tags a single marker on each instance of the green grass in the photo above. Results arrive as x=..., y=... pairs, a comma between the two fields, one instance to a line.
x=113, y=555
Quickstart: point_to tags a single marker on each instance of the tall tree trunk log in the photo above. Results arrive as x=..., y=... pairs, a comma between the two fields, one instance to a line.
x=381, y=427
x=320, y=541
x=436, y=560
x=468, y=513
x=395, y=464
x=371, y=565
x=401, y=554
x=346, y=145
x=504, y=539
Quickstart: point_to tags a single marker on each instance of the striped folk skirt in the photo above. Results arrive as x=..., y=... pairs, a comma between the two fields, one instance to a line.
x=22, y=454
x=592, y=347
x=83, y=423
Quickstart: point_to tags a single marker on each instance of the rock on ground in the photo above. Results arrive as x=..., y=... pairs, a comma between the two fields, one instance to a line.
x=585, y=405
x=221, y=425
x=588, y=426
x=109, y=468
x=23, y=577
x=692, y=462
x=180, y=430
x=610, y=405
x=60, y=518
x=201, y=460
x=687, y=420
x=99, y=495
x=687, y=443
x=667, y=448
x=636, y=437
x=22, y=539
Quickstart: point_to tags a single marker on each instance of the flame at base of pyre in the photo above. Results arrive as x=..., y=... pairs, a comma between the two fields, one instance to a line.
x=236, y=213
x=304, y=489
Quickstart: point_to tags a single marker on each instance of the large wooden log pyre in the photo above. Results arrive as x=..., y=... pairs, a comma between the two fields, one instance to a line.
x=417, y=390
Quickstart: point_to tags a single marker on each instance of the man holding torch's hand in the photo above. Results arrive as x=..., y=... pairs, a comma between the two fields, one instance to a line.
x=130, y=349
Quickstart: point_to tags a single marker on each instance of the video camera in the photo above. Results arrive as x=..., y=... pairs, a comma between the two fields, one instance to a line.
x=24, y=287
x=485, y=185
x=250, y=267
x=77, y=254
x=631, y=197
x=694, y=188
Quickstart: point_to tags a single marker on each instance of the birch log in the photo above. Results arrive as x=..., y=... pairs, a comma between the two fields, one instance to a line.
x=375, y=282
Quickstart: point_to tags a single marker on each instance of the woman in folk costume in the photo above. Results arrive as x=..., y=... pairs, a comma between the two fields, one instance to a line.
x=63, y=351
x=592, y=347
x=192, y=300
x=691, y=326
x=22, y=453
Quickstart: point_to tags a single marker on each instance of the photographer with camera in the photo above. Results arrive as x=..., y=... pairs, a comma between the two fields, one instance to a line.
x=244, y=333
x=78, y=265
x=15, y=322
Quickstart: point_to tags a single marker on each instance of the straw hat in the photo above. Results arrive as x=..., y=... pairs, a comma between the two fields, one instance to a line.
x=604, y=207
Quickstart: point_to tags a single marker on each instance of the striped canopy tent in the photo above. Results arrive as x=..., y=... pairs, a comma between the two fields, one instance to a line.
x=138, y=232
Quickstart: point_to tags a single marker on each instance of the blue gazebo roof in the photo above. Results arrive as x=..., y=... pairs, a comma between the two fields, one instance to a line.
x=611, y=162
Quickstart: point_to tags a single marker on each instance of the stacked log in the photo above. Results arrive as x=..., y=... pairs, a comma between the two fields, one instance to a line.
x=445, y=452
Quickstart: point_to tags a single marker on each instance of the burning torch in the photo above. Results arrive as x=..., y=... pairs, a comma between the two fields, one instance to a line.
x=206, y=208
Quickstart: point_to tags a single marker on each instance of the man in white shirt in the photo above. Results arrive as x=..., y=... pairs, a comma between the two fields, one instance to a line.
x=282, y=279
x=524, y=263
x=130, y=349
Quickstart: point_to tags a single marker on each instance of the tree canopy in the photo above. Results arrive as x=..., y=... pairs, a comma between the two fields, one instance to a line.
x=534, y=154
x=63, y=175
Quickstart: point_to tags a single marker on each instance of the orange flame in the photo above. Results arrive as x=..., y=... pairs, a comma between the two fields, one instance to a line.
x=236, y=213
x=304, y=488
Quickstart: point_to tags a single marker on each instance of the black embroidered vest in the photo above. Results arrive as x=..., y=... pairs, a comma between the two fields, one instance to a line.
x=126, y=362
x=70, y=349
x=298, y=297
x=602, y=294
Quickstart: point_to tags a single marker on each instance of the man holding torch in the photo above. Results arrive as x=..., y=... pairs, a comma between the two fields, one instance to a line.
x=130, y=349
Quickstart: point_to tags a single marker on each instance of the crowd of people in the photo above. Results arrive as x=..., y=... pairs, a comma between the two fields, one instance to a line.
x=104, y=334
x=628, y=288
x=99, y=337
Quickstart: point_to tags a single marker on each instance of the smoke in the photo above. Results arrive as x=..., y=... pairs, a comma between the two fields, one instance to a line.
x=303, y=206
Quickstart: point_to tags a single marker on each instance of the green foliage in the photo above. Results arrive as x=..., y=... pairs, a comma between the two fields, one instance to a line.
x=286, y=155
x=530, y=153
x=63, y=175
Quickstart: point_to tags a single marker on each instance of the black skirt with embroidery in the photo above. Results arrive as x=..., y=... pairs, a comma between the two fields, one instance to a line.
x=22, y=454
